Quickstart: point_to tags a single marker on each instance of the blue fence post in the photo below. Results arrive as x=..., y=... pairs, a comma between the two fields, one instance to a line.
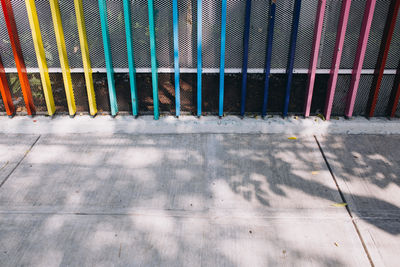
x=270, y=38
x=246, y=38
x=199, y=55
x=108, y=58
x=131, y=58
x=292, y=52
x=176, y=56
x=153, y=58
x=222, y=62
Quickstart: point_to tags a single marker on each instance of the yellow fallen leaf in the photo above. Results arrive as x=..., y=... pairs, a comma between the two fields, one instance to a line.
x=292, y=138
x=321, y=116
x=339, y=204
x=314, y=172
x=336, y=244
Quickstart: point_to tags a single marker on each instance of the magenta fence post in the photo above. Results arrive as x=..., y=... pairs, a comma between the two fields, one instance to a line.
x=319, y=21
x=358, y=63
x=337, y=54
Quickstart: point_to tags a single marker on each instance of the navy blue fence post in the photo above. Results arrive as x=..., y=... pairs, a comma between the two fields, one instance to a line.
x=292, y=52
x=246, y=37
x=270, y=38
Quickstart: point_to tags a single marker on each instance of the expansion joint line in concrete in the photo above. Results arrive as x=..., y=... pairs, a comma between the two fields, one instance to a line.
x=344, y=201
x=19, y=162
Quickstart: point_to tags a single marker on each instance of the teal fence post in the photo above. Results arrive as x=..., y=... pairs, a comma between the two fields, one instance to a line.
x=108, y=58
x=131, y=58
x=222, y=63
x=176, y=56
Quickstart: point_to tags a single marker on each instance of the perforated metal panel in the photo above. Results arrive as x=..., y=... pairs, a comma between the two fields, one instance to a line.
x=339, y=101
x=67, y=10
x=234, y=34
x=140, y=33
x=384, y=95
x=211, y=48
x=283, y=26
x=306, y=33
x=24, y=33
x=258, y=33
x=376, y=33
x=93, y=31
x=5, y=47
x=394, y=51
x=187, y=33
x=329, y=30
x=211, y=33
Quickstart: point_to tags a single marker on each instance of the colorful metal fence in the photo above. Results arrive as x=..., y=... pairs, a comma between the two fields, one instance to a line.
x=200, y=19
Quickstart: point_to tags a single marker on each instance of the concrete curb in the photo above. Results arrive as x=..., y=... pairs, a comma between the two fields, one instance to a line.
x=190, y=124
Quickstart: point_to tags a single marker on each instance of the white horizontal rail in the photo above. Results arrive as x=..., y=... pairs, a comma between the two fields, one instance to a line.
x=205, y=70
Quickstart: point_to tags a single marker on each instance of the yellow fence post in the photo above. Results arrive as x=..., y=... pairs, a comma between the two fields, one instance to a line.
x=62, y=52
x=40, y=55
x=85, y=56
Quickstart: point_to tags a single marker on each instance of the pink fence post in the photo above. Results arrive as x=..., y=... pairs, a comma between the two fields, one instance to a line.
x=341, y=32
x=319, y=21
x=358, y=63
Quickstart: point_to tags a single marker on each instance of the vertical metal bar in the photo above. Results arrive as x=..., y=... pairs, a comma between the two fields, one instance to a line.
x=292, y=53
x=108, y=57
x=199, y=55
x=85, y=57
x=222, y=62
x=337, y=54
x=383, y=54
x=176, y=56
x=40, y=55
x=62, y=52
x=395, y=95
x=270, y=38
x=246, y=37
x=153, y=58
x=131, y=58
x=17, y=52
x=319, y=21
x=5, y=91
x=358, y=63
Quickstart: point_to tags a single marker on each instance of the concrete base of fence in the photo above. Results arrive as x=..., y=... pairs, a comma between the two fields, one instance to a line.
x=190, y=124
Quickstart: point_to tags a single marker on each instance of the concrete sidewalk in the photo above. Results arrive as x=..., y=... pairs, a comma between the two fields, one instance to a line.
x=199, y=200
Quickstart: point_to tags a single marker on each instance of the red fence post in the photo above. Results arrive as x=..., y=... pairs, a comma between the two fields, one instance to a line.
x=5, y=91
x=383, y=54
x=19, y=59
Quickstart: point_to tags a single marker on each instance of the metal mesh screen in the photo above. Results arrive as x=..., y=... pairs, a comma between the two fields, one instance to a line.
x=394, y=51
x=71, y=34
x=384, y=95
x=280, y=46
x=25, y=35
x=211, y=33
x=305, y=34
x=5, y=47
x=211, y=52
x=375, y=34
x=258, y=33
x=328, y=38
x=187, y=33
